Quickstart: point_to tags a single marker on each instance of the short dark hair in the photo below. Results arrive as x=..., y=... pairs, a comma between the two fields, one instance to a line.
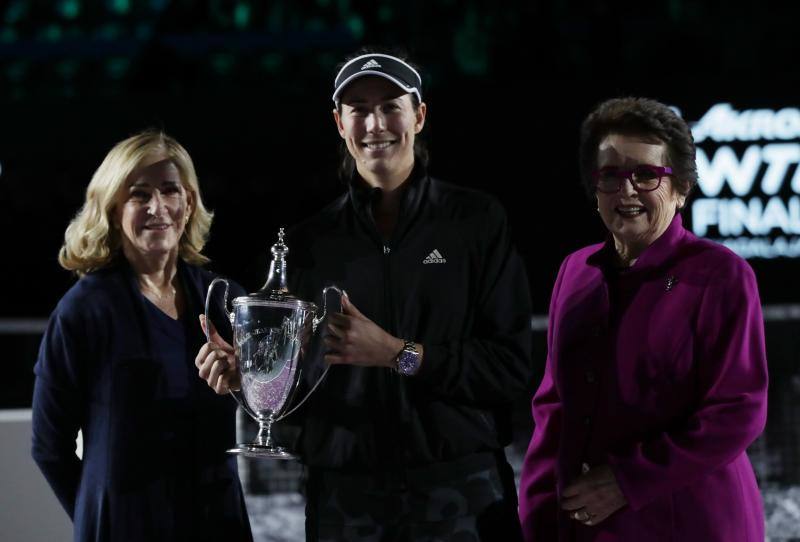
x=643, y=117
x=347, y=165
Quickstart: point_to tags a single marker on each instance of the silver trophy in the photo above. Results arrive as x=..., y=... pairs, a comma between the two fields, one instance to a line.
x=271, y=332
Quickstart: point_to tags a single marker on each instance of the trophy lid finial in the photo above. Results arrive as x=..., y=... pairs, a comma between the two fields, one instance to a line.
x=276, y=286
x=279, y=249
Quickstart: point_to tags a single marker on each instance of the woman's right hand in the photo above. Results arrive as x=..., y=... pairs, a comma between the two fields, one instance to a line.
x=216, y=362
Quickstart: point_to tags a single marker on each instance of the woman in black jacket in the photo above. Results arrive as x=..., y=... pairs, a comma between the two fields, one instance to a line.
x=404, y=440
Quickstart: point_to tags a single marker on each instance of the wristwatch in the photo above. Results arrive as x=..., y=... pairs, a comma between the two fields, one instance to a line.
x=408, y=360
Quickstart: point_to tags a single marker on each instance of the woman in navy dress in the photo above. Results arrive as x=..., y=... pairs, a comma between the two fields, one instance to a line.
x=117, y=362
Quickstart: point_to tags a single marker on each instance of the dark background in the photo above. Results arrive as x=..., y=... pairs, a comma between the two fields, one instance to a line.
x=245, y=86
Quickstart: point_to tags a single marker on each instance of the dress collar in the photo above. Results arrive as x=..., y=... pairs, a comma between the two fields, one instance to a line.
x=653, y=257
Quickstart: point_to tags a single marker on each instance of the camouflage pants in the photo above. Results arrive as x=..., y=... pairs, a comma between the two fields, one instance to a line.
x=471, y=500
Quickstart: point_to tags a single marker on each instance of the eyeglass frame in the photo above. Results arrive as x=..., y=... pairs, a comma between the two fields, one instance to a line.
x=627, y=174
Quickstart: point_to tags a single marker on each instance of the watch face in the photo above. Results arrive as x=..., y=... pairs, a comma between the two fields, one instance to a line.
x=407, y=362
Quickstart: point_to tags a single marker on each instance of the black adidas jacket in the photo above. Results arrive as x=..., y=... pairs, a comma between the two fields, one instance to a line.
x=450, y=279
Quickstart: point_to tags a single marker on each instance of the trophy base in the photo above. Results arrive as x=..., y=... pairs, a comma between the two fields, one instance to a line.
x=256, y=451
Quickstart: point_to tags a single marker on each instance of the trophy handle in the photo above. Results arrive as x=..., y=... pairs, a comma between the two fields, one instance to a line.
x=236, y=394
x=325, y=291
x=314, y=324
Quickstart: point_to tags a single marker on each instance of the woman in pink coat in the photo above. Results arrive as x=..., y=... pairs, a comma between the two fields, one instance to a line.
x=656, y=377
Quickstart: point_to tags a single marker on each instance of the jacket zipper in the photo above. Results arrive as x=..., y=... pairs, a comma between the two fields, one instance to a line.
x=391, y=324
x=387, y=291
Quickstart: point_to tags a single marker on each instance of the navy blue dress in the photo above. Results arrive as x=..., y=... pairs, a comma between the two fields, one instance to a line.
x=154, y=465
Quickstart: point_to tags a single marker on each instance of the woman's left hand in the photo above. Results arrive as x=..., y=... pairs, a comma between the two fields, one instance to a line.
x=594, y=496
x=356, y=340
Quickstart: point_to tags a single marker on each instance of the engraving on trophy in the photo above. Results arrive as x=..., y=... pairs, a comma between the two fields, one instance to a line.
x=274, y=347
x=269, y=358
x=275, y=350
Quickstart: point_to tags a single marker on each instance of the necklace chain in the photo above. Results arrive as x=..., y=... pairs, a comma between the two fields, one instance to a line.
x=158, y=294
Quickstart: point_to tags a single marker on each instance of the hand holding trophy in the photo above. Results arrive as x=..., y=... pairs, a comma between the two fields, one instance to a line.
x=271, y=330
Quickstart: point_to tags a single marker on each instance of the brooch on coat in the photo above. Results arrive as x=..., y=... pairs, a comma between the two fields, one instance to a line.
x=671, y=280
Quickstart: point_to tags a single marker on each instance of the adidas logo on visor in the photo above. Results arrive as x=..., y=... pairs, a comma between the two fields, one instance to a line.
x=371, y=64
x=434, y=257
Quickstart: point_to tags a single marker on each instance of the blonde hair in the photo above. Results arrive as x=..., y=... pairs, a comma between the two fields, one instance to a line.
x=91, y=242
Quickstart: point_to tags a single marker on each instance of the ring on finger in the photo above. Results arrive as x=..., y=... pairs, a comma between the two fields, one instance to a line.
x=581, y=515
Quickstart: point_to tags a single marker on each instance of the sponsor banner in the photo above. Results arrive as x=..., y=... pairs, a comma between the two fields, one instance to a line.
x=748, y=194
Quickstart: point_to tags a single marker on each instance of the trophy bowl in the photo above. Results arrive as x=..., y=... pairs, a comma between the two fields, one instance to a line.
x=271, y=332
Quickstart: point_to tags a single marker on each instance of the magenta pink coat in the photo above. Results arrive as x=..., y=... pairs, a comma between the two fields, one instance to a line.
x=660, y=372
